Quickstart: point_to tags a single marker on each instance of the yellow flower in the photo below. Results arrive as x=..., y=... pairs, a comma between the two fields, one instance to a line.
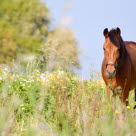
x=128, y=107
x=61, y=80
x=121, y=121
x=52, y=78
x=109, y=105
x=23, y=108
x=11, y=78
x=37, y=73
x=117, y=112
x=92, y=123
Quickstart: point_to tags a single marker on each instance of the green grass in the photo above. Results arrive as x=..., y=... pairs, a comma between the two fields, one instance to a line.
x=60, y=104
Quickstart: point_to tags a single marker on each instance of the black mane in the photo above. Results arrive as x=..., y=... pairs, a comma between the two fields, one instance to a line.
x=117, y=41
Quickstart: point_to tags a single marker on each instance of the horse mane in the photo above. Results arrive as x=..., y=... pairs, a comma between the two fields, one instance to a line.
x=117, y=41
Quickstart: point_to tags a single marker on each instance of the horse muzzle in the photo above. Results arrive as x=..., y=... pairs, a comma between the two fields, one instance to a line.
x=110, y=74
x=111, y=69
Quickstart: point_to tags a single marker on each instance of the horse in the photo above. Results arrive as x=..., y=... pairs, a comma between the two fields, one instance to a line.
x=119, y=65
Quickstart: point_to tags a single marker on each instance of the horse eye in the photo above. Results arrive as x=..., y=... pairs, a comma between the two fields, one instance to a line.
x=104, y=49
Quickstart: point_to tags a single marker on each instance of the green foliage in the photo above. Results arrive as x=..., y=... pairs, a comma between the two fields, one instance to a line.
x=23, y=24
x=24, y=32
x=28, y=91
x=60, y=103
x=60, y=48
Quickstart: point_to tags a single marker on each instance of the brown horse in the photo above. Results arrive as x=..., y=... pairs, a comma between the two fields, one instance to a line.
x=119, y=65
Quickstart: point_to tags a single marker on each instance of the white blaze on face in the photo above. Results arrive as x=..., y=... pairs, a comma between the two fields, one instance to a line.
x=111, y=54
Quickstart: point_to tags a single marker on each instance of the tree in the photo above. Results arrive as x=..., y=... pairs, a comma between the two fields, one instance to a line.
x=23, y=26
x=25, y=30
x=60, y=51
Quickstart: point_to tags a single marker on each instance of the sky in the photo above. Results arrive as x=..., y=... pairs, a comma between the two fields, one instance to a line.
x=88, y=19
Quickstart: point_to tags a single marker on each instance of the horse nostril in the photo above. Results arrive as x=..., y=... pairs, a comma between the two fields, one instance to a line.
x=110, y=74
x=114, y=71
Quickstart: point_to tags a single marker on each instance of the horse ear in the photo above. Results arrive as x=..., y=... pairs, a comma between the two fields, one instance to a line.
x=105, y=32
x=118, y=32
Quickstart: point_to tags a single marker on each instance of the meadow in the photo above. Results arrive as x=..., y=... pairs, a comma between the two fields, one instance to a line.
x=60, y=104
x=37, y=97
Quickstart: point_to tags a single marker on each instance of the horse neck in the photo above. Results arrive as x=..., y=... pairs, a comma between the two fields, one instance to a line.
x=124, y=54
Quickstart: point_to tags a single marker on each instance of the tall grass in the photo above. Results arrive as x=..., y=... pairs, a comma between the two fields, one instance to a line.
x=60, y=104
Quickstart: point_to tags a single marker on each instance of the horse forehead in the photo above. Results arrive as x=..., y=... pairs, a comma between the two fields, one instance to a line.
x=109, y=44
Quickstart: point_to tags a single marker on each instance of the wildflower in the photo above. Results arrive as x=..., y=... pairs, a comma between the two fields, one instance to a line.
x=52, y=78
x=11, y=78
x=128, y=107
x=92, y=123
x=88, y=85
x=41, y=79
x=102, y=117
x=43, y=126
x=37, y=73
x=109, y=105
x=117, y=112
x=121, y=121
x=61, y=80
x=23, y=108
